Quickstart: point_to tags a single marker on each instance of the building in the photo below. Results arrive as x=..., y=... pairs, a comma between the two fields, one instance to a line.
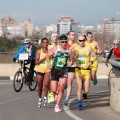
x=12, y=31
x=15, y=31
x=51, y=28
x=28, y=28
x=65, y=24
x=87, y=28
x=111, y=26
x=8, y=21
x=75, y=26
x=36, y=29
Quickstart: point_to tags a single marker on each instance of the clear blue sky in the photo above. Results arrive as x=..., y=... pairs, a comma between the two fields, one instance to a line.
x=45, y=12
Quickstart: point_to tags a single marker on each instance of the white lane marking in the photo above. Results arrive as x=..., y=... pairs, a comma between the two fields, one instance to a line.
x=16, y=99
x=5, y=83
x=72, y=115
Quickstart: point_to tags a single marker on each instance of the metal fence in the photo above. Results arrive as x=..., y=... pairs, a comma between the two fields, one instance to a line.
x=7, y=57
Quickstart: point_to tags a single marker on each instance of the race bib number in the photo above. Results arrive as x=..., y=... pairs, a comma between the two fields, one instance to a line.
x=81, y=62
x=60, y=62
x=43, y=63
x=23, y=56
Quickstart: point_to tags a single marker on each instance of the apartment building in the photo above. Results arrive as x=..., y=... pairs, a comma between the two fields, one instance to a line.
x=28, y=27
x=7, y=21
x=65, y=24
x=51, y=28
x=111, y=26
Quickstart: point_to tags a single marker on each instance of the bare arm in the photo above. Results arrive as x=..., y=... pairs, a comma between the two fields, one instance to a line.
x=71, y=54
x=49, y=55
x=93, y=54
x=71, y=57
x=100, y=51
x=38, y=60
x=110, y=54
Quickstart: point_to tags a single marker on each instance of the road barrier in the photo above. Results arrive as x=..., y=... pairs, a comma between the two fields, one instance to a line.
x=115, y=85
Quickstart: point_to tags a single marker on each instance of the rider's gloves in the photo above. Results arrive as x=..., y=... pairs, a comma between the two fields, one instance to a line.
x=14, y=59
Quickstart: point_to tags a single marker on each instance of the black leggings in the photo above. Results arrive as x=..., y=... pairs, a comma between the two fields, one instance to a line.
x=31, y=70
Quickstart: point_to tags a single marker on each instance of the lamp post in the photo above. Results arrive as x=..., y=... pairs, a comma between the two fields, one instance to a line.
x=117, y=26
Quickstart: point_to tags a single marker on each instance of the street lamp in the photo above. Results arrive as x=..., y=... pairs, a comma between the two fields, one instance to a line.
x=117, y=25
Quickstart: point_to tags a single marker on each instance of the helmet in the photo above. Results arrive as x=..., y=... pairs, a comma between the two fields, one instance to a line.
x=116, y=41
x=27, y=40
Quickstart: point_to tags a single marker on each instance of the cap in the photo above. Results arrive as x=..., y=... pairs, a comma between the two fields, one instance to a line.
x=63, y=38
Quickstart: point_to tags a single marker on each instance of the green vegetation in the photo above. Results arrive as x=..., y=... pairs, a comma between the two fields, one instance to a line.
x=9, y=45
x=38, y=47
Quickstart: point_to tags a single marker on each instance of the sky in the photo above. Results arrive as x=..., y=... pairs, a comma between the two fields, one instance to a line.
x=45, y=12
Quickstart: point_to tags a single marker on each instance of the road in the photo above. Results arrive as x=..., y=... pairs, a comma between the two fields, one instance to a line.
x=23, y=105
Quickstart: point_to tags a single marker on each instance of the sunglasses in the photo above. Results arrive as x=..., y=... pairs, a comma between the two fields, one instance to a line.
x=81, y=40
x=64, y=41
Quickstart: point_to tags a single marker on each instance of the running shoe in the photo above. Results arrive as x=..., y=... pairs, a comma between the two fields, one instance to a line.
x=84, y=95
x=52, y=99
x=66, y=101
x=79, y=104
x=39, y=103
x=95, y=82
x=57, y=109
x=49, y=97
x=45, y=103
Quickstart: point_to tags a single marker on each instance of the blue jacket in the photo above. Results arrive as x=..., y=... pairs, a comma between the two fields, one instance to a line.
x=23, y=48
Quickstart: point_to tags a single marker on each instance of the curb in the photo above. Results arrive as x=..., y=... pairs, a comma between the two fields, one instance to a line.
x=102, y=77
x=11, y=77
x=4, y=77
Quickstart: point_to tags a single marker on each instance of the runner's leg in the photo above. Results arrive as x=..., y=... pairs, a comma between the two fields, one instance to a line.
x=93, y=76
x=79, y=91
x=46, y=83
x=40, y=86
x=69, y=81
x=86, y=85
x=62, y=83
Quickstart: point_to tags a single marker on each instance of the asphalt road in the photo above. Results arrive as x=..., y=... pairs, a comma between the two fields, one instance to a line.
x=23, y=105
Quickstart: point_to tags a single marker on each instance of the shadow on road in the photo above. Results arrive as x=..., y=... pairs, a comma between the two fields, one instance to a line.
x=93, y=101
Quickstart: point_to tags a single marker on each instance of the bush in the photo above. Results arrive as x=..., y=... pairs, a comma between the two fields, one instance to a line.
x=8, y=45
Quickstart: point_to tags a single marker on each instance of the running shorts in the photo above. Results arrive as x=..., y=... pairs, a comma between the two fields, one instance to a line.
x=85, y=74
x=71, y=69
x=56, y=74
x=94, y=66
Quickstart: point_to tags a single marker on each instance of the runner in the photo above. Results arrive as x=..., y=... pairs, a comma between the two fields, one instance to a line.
x=70, y=45
x=59, y=70
x=42, y=71
x=83, y=64
x=54, y=40
x=98, y=50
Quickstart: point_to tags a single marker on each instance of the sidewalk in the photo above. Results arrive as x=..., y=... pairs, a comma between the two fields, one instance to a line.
x=102, y=72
